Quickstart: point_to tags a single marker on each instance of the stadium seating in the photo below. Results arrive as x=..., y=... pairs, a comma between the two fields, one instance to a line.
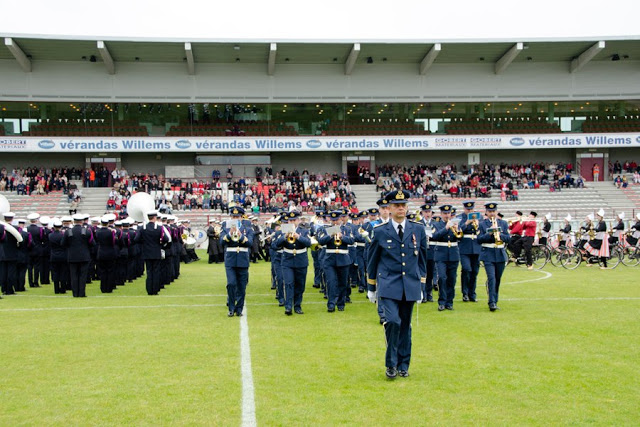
x=612, y=124
x=239, y=128
x=501, y=125
x=78, y=128
x=375, y=128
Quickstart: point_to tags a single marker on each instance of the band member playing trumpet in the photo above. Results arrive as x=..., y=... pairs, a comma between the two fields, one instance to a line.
x=446, y=256
x=236, y=240
x=469, y=252
x=214, y=249
x=528, y=235
x=493, y=236
x=294, y=263
x=336, y=262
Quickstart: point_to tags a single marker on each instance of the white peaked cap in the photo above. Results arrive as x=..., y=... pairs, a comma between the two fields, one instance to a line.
x=33, y=216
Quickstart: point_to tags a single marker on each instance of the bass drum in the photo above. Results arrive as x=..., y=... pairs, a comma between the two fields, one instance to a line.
x=190, y=243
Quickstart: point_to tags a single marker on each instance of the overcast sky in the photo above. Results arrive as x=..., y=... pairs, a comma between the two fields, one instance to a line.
x=324, y=20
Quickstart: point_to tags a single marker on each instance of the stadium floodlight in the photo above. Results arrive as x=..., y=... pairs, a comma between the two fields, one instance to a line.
x=16, y=51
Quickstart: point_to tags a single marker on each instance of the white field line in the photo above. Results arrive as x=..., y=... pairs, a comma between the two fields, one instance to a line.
x=248, y=393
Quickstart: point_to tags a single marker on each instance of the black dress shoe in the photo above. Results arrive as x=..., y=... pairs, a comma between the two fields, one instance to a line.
x=331, y=310
x=230, y=314
x=493, y=307
x=340, y=308
x=441, y=308
x=299, y=311
x=239, y=313
x=473, y=300
x=361, y=290
x=391, y=373
x=280, y=304
x=403, y=373
x=465, y=298
x=273, y=287
x=449, y=307
x=288, y=312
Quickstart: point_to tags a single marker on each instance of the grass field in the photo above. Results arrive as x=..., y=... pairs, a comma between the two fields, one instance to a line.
x=563, y=349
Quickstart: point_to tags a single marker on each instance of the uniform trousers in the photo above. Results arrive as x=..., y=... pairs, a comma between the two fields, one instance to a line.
x=494, y=272
x=237, y=278
x=337, y=285
x=22, y=274
x=153, y=276
x=35, y=264
x=59, y=284
x=45, y=270
x=362, y=284
x=277, y=274
x=294, y=284
x=470, y=266
x=9, y=277
x=78, y=278
x=106, y=270
x=397, y=331
x=427, y=287
x=447, y=273
x=317, y=269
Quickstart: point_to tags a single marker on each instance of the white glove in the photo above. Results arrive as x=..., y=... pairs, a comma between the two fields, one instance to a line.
x=372, y=295
x=421, y=298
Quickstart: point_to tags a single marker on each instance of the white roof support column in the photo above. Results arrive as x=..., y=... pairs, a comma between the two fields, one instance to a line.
x=428, y=59
x=106, y=57
x=351, y=59
x=191, y=64
x=16, y=51
x=271, y=64
x=586, y=56
x=507, y=58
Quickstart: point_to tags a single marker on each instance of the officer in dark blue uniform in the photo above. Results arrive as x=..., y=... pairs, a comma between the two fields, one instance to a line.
x=446, y=256
x=336, y=262
x=469, y=252
x=9, y=256
x=237, y=240
x=35, y=253
x=152, y=237
x=361, y=236
x=295, y=262
x=276, y=260
x=493, y=237
x=396, y=269
x=428, y=222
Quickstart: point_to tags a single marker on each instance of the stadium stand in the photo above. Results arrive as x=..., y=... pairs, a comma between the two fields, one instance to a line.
x=612, y=124
x=501, y=125
x=374, y=128
x=85, y=128
x=239, y=128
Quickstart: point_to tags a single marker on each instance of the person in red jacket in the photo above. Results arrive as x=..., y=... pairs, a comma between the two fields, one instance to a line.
x=528, y=236
x=515, y=230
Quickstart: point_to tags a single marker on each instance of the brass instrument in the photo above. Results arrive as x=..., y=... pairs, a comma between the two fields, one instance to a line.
x=592, y=233
x=496, y=232
x=514, y=219
x=362, y=232
x=418, y=215
x=456, y=230
x=235, y=235
x=184, y=236
x=291, y=238
x=314, y=243
x=337, y=240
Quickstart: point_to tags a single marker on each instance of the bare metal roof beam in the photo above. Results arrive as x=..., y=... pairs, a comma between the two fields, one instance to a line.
x=16, y=51
x=507, y=58
x=351, y=59
x=586, y=56
x=191, y=64
x=106, y=57
x=271, y=65
x=428, y=59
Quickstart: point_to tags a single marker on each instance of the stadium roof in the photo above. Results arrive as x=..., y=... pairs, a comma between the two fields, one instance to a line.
x=348, y=52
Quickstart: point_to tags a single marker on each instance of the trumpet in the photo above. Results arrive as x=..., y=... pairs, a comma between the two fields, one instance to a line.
x=456, y=230
x=291, y=238
x=514, y=219
x=337, y=240
x=362, y=232
x=496, y=232
x=418, y=215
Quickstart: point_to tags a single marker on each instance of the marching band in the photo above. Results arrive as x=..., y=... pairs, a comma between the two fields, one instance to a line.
x=74, y=250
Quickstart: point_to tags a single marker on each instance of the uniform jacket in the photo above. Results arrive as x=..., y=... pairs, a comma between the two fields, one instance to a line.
x=237, y=254
x=442, y=235
x=493, y=254
x=58, y=252
x=299, y=258
x=336, y=259
x=107, y=242
x=469, y=243
x=37, y=236
x=78, y=240
x=152, y=237
x=396, y=267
